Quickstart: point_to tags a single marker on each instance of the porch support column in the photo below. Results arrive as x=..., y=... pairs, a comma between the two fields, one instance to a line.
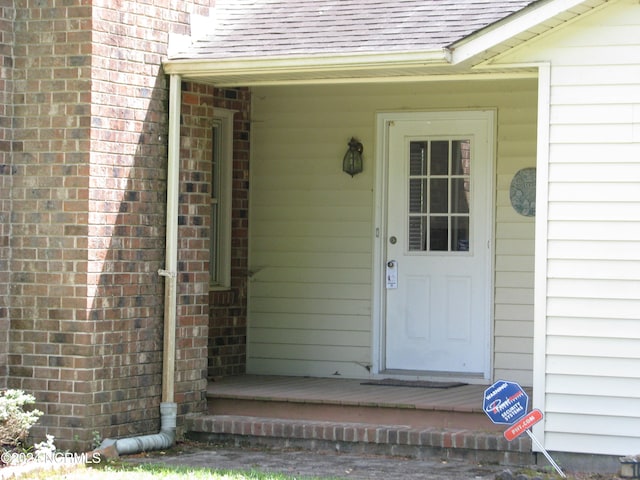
x=541, y=254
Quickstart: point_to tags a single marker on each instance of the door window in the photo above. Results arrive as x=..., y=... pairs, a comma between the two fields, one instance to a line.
x=439, y=180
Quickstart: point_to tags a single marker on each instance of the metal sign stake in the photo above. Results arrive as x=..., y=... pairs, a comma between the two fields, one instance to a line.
x=506, y=402
x=546, y=454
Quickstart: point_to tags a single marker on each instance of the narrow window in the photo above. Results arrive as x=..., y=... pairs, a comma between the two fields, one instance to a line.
x=221, y=182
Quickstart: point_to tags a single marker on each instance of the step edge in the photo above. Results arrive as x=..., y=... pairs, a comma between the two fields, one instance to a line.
x=355, y=432
x=348, y=403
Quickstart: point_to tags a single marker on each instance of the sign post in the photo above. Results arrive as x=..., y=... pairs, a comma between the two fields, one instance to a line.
x=506, y=403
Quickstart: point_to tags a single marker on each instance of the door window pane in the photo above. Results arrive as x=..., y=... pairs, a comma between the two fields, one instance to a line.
x=439, y=195
x=417, y=234
x=418, y=158
x=439, y=234
x=459, y=196
x=439, y=157
x=461, y=157
x=460, y=234
x=417, y=196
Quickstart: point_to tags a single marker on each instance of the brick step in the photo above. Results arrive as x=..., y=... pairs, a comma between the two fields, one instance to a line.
x=365, y=438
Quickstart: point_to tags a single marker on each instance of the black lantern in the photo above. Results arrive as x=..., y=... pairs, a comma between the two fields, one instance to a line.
x=352, y=162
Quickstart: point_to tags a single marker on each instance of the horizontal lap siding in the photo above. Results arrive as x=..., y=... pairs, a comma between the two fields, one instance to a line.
x=514, y=244
x=311, y=246
x=593, y=306
x=312, y=225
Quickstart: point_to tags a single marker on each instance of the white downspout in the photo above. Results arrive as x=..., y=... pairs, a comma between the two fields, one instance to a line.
x=171, y=261
x=168, y=408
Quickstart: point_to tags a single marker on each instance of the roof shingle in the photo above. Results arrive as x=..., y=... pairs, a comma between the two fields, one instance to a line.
x=283, y=28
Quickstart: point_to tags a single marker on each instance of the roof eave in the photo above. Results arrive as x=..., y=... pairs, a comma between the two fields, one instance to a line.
x=473, y=48
x=248, y=71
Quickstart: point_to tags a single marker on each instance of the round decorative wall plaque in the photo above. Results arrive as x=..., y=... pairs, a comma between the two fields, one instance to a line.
x=523, y=192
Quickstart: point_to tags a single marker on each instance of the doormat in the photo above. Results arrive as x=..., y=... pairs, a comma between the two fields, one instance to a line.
x=391, y=382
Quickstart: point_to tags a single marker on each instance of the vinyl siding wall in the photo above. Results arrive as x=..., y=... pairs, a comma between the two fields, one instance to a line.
x=592, y=345
x=312, y=232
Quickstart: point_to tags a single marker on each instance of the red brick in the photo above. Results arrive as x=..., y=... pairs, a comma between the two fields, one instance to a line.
x=52, y=181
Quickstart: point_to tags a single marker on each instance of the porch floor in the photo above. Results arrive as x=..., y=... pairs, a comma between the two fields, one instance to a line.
x=348, y=392
x=349, y=415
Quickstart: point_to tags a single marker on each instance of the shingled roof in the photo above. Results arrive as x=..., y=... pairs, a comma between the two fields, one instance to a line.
x=245, y=29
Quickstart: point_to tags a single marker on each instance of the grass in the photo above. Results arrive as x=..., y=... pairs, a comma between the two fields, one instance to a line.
x=123, y=471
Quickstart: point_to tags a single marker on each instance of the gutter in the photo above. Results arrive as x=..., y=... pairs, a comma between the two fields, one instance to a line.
x=313, y=68
x=168, y=408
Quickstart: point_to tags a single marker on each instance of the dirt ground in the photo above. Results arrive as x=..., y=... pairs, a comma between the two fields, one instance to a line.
x=303, y=464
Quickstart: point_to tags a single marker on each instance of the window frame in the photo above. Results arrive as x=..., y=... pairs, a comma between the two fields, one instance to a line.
x=220, y=247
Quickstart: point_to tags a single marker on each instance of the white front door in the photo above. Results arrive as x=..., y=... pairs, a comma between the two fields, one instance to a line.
x=437, y=245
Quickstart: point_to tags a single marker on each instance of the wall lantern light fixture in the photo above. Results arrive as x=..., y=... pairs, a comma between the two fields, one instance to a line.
x=352, y=162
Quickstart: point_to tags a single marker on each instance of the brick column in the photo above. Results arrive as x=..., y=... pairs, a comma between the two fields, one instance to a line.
x=87, y=170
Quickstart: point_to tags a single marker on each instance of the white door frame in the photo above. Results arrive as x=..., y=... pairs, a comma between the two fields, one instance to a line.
x=380, y=225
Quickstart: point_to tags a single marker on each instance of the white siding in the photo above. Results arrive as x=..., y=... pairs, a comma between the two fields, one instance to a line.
x=311, y=226
x=592, y=373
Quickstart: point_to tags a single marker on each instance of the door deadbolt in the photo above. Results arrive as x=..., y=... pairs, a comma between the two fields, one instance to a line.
x=393, y=240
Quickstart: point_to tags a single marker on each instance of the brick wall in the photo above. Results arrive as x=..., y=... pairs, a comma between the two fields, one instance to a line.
x=126, y=216
x=226, y=345
x=88, y=216
x=193, y=277
x=7, y=14
x=50, y=343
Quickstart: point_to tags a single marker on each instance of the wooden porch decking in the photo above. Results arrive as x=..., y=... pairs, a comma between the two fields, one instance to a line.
x=349, y=400
x=349, y=415
x=467, y=398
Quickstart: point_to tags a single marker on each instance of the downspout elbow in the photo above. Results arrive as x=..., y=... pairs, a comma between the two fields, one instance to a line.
x=166, y=438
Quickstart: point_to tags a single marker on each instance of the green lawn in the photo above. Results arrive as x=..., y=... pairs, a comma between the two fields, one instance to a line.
x=122, y=471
